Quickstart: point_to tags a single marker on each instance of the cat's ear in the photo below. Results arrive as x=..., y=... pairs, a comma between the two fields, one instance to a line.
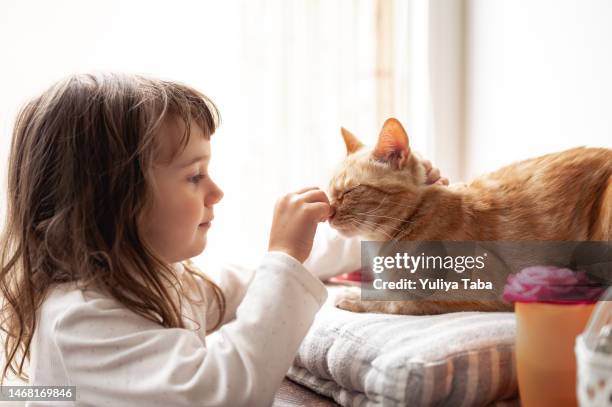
x=392, y=146
x=351, y=142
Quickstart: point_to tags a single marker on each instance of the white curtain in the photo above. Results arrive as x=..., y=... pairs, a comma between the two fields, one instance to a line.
x=307, y=68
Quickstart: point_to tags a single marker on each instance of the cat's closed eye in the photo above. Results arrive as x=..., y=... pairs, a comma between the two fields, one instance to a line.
x=347, y=191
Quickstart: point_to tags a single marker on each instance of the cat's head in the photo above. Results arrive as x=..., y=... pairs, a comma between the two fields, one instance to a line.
x=374, y=188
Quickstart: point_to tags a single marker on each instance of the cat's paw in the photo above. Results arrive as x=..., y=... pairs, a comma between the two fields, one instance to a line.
x=350, y=300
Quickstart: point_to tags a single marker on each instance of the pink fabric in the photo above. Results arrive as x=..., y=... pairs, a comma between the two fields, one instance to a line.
x=552, y=285
x=352, y=277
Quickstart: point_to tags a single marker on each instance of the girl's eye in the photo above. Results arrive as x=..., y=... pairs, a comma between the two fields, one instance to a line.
x=196, y=178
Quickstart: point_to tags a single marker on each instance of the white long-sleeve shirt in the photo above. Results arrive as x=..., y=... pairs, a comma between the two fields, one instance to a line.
x=115, y=357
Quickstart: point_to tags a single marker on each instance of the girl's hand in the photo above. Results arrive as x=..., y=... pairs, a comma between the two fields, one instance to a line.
x=433, y=174
x=295, y=221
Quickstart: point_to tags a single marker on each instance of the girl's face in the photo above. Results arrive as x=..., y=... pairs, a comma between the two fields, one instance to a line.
x=182, y=210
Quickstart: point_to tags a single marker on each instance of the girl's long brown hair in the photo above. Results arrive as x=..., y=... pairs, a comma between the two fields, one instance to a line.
x=79, y=184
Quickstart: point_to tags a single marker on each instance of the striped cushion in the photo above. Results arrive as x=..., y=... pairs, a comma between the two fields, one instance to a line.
x=464, y=358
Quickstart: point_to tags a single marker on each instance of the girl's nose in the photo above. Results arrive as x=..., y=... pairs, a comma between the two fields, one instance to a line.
x=220, y=194
x=215, y=195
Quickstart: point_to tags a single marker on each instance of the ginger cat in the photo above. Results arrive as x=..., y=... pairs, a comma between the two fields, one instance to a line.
x=379, y=193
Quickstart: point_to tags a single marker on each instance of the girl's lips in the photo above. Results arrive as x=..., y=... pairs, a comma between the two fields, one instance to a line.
x=204, y=225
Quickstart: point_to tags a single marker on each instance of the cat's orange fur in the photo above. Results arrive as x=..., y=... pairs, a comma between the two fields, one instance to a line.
x=379, y=193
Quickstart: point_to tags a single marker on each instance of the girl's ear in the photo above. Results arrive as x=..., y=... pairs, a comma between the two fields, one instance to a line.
x=392, y=146
x=351, y=142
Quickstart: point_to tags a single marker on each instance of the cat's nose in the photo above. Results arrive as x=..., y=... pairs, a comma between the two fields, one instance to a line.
x=332, y=212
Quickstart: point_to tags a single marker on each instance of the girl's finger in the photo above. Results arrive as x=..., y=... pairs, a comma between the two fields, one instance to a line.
x=433, y=176
x=315, y=196
x=301, y=191
x=442, y=181
x=320, y=211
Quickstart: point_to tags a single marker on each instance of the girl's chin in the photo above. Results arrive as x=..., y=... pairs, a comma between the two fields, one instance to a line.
x=200, y=241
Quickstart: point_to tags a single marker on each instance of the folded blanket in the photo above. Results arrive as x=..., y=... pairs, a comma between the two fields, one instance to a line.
x=464, y=358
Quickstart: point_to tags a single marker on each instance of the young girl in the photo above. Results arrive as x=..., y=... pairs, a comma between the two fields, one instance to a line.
x=108, y=199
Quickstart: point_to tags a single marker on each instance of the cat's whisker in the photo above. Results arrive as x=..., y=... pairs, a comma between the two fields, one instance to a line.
x=383, y=216
x=360, y=225
x=373, y=227
x=397, y=229
x=379, y=205
x=377, y=228
x=378, y=225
